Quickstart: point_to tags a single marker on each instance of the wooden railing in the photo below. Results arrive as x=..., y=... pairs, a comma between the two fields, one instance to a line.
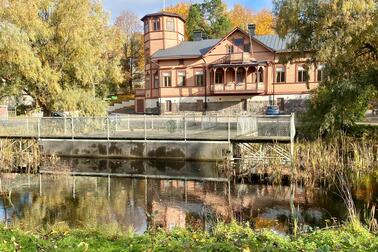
x=235, y=88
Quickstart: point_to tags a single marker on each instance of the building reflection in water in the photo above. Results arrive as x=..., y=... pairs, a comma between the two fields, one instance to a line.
x=125, y=203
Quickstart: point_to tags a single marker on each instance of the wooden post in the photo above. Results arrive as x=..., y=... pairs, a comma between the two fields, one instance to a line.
x=236, y=77
x=246, y=77
x=224, y=78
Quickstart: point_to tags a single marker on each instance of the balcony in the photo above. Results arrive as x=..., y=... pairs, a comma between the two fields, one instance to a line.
x=234, y=58
x=238, y=88
x=242, y=57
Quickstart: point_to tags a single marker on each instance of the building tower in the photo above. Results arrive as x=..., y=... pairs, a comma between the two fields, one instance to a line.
x=162, y=30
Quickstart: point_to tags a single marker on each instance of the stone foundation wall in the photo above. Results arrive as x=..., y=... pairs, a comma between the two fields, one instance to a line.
x=236, y=107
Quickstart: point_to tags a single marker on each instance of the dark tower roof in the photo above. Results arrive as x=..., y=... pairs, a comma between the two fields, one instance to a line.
x=163, y=13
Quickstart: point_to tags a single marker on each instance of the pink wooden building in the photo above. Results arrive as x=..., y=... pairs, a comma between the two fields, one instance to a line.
x=234, y=74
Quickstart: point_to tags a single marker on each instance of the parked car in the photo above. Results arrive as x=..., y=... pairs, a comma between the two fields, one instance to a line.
x=272, y=110
x=60, y=114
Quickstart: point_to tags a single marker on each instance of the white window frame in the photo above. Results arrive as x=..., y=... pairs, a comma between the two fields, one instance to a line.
x=196, y=75
x=301, y=74
x=280, y=74
x=167, y=79
x=321, y=69
x=181, y=79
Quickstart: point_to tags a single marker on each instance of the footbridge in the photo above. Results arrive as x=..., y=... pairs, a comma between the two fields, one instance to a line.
x=190, y=136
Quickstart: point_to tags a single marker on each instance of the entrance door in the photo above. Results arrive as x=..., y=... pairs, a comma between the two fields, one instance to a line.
x=140, y=106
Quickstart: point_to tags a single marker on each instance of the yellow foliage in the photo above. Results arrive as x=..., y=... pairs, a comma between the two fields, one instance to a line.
x=181, y=8
x=241, y=16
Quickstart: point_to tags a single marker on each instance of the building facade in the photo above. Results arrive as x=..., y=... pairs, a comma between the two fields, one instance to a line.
x=234, y=74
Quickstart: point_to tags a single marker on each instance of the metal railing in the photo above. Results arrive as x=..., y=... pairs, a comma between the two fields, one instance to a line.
x=180, y=127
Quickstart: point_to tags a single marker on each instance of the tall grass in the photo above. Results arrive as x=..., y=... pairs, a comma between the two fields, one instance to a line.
x=328, y=161
x=22, y=156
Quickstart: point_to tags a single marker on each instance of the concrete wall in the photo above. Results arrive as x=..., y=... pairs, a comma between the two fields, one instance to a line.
x=230, y=105
x=167, y=150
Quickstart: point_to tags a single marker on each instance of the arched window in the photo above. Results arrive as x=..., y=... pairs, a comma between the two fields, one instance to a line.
x=156, y=24
x=219, y=76
x=146, y=26
x=240, y=75
x=260, y=75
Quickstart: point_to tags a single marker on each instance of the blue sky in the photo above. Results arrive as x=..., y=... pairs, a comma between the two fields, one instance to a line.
x=142, y=7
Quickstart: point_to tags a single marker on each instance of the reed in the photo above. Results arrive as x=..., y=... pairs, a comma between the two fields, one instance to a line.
x=20, y=155
x=323, y=162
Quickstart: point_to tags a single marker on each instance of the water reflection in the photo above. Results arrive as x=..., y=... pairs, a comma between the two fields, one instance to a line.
x=43, y=201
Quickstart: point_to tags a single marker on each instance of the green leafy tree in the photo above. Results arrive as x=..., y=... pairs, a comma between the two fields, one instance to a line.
x=50, y=46
x=195, y=21
x=343, y=35
x=210, y=17
x=217, y=17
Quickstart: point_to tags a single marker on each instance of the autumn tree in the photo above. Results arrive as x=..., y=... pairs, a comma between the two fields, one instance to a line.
x=343, y=36
x=60, y=52
x=241, y=16
x=181, y=8
x=133, y=51
x=264, y=21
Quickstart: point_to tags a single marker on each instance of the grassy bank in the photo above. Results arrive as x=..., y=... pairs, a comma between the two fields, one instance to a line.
x=232, y=237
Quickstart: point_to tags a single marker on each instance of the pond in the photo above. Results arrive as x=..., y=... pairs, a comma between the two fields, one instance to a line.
x=125, y=203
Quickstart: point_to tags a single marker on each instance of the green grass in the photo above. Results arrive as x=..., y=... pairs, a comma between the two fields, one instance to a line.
x=224, y=237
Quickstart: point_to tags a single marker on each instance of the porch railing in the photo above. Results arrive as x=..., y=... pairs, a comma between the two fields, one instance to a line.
x=238, y=88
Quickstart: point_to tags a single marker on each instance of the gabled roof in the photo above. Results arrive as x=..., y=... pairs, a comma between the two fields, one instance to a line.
x=186, y=49
x=245, y=33
x=196, y=49
x=163, y=13
x=274, y=42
